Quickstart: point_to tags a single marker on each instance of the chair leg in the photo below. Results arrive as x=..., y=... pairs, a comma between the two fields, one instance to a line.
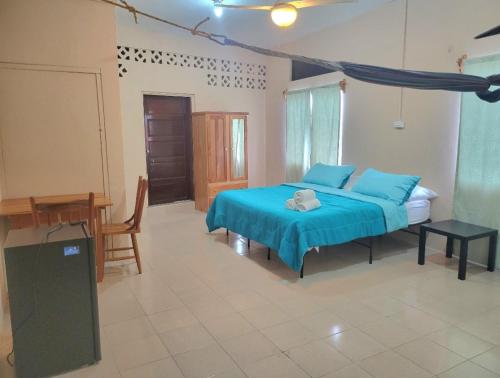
x=136, y=252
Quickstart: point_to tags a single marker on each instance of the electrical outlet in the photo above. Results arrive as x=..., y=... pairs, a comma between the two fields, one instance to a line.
x=398, y=124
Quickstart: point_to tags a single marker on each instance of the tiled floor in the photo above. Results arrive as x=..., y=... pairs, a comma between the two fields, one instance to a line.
x=205, y=307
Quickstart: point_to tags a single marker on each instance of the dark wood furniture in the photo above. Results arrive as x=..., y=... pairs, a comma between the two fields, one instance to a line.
x=464, y=232
x=131, y=227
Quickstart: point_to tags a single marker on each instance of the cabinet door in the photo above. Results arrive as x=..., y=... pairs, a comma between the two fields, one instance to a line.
x=216, y=149
x=238, y=164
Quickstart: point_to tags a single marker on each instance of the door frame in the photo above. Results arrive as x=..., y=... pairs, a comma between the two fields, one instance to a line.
x=192, y=99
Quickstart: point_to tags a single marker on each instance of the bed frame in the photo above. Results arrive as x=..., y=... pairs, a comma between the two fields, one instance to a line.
x=368, y=245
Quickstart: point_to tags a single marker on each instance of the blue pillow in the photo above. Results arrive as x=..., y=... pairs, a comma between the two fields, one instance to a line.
x=335, y=176
x=395, y=188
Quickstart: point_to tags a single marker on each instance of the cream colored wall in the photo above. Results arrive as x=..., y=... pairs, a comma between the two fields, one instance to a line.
x=76, y=34
x=439, y=31
x=151, y=78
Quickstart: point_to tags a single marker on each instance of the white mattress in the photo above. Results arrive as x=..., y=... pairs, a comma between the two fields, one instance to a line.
x=418, y=211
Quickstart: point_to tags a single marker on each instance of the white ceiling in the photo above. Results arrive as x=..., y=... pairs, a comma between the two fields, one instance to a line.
x=254, y=27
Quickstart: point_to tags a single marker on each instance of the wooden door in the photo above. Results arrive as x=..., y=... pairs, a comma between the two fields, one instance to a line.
x=217, y=148
x=167, y=122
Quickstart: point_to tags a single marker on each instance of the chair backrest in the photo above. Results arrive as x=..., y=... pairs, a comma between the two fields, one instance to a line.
x=74, y=211
x=139, y=205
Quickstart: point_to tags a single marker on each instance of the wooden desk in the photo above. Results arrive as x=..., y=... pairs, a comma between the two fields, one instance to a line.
x=18, y=211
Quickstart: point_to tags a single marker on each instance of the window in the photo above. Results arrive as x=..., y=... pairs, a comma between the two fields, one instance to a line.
x=477, y=185
x=313, y=129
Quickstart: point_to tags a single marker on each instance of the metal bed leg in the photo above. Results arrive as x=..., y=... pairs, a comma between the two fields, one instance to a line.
x=302, y=271
x=248, y=243
x=370, y=243
x=227, y=231
x=269, y=253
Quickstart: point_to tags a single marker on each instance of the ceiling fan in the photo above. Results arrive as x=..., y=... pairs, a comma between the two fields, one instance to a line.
x=489, y=33
x=283, y=13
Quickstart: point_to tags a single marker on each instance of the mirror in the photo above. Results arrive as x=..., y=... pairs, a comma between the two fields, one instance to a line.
x=238, y=147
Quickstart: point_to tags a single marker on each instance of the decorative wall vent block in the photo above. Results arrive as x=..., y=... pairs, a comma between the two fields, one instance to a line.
x=212, y=80
x=261, y=70
x=225, y=65
x=122, y=70
x=223, y=73
x=123, y=52
x=198, y=62
x=250, y=69
x=140, y=55
x=156, y=57
x=226, y=81
x=171, y=59
x=211, y=64
x=184, y=60
x=238, y=82
x=238, y=67
x=250, y=83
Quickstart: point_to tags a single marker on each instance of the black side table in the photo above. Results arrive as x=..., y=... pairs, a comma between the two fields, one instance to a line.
x=464, y=232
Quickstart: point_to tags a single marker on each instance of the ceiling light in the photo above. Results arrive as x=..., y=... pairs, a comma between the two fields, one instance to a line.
x=284, y=15
x=218, y=11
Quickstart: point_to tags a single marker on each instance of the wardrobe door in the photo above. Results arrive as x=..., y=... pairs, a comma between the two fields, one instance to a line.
x=216, y=148
x=238, y=164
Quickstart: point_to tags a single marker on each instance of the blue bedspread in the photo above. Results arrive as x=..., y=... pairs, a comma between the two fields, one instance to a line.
x=260, y=214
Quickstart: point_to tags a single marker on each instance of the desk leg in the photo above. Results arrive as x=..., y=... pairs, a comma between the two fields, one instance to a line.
x=421, y=246
x=99, y=247
x=462, y=264
x=492, y=252
x=449, y=247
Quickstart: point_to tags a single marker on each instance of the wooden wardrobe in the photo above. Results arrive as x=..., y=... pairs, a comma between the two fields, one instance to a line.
x=220, y=158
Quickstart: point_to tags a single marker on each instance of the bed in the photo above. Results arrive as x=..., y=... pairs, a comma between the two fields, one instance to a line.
x=259, y=214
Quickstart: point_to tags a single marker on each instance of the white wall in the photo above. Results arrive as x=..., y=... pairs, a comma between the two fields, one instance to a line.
x=175, y=80
x=439, y=31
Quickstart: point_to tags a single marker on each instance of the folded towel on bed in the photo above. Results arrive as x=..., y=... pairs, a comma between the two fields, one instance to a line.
x=291, y=204
x=308, y=205
x=305, y=195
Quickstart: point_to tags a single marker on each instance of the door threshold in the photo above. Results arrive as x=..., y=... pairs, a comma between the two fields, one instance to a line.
x=172, y=203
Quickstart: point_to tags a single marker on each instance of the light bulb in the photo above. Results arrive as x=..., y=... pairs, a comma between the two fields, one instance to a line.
x=284, y=15
x=218, y=11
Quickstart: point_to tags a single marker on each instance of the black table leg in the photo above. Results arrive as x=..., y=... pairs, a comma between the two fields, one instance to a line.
x=492, y=254
x=421, y=246
x=449, y=247
x=462, y=264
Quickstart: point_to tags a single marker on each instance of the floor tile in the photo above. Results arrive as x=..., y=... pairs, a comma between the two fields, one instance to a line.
x=324, y=323
x=249, y=348
x=166, y=368
x=227, y=326
x=419, y=321
x=139, y=352
x=172, y=319
x=288, y=335
x=206, y=362
x=245, y=300
x=460, y=342
x=389, y=332
x=430, y=356
x=318, y=358
x=468, y=370
x=489, y=360
x=129, y=330
x=181, y=340
x=274, y=367
x=355, y=344
x=265, y=316
x=392, y=365
x=351, y=371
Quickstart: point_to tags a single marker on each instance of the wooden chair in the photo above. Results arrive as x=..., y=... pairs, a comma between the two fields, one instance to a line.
x=69, y=212
x=131, y=226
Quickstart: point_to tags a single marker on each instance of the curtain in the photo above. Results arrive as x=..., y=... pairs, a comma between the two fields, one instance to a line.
x=477, y=187
x=325, y=125
x=297, y=134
